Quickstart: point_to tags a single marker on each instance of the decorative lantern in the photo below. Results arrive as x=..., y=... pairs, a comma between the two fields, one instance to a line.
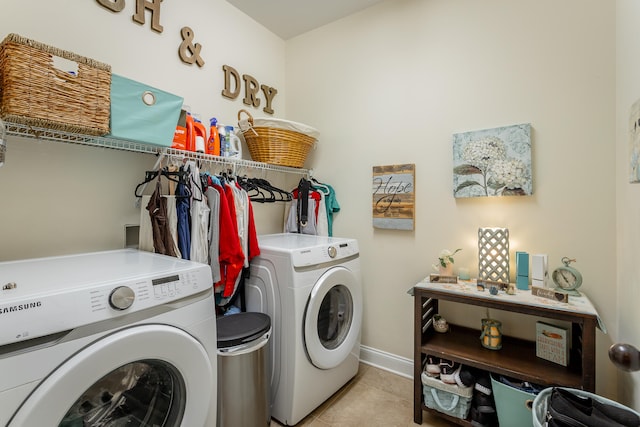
x=491, y=336
x=493, y=254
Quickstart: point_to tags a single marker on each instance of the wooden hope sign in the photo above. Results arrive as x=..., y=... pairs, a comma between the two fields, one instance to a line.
x=393, y=203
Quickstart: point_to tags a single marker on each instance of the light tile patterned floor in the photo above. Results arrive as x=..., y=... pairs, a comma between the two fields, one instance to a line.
x=374, y=398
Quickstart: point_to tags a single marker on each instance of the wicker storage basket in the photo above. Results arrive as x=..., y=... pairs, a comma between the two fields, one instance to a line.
x=274, y=145
x=34, y=92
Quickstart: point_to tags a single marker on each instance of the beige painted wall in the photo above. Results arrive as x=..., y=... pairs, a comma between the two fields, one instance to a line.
x=388, y=85
x=628, y=200
x=58, y=198
x=394, y=82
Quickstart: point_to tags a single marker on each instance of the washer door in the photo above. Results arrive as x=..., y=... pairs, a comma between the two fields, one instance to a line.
x=149, y=375
x=333, y=318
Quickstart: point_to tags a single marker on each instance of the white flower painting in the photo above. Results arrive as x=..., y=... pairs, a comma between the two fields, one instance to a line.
x=493, y=162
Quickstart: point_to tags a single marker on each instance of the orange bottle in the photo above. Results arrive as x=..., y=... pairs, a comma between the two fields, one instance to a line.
x=191, y=135
x=213, y=144
x=200, y=136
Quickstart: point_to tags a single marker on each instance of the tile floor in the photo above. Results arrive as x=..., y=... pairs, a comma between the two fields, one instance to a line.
x=374, y=398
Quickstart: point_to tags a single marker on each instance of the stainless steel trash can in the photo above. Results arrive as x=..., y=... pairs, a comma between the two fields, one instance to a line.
x=243, y=370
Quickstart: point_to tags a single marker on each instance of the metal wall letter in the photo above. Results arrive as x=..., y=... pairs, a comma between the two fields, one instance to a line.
x=114, y=6
x=188, y=51
x=228, y=73
x=251, y=87
x=154, y=7
x=269, y=93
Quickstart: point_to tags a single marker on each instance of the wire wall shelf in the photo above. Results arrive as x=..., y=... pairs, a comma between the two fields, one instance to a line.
x=33, y=132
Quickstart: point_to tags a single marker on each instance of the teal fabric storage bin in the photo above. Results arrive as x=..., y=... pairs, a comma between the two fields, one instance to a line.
x=446, y=398
x=513, y=405
x=142, y=113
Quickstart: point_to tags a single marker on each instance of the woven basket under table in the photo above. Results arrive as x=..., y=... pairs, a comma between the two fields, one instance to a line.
x=34, y=92
x=276, y=146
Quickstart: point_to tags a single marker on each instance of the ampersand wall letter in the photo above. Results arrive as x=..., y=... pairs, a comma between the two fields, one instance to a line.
x=189, y=52
x=114, y=6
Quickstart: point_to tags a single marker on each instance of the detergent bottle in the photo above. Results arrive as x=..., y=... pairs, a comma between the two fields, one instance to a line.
x=224, y=141
x=233, y=143
x=213, y=144
x=200, y=135
x=191, y=137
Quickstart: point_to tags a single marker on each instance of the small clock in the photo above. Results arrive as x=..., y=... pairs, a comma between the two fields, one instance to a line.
x=566, y=278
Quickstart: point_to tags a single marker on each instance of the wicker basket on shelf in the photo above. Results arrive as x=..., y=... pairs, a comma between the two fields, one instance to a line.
x=276, y=143
x=36, y=93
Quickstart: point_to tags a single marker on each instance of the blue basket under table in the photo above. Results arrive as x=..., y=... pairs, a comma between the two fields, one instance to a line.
x=446, y=398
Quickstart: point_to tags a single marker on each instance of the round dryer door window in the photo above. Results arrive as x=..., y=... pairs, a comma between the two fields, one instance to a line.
x=333, y=318
x=142, y=376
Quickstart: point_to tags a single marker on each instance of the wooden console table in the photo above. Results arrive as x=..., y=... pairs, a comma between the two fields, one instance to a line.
x=517, y=358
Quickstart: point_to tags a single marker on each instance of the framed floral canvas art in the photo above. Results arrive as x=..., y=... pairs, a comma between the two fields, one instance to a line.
x=493, y=162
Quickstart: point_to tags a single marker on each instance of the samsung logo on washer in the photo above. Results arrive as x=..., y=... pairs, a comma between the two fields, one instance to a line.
x=20, y=307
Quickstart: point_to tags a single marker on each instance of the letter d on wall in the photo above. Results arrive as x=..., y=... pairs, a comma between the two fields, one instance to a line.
x=228, y=72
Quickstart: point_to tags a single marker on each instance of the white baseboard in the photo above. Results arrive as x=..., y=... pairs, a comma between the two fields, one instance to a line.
x=387, y=361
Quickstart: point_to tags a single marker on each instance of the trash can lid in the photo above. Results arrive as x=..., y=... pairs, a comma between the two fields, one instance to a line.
x=241, y=328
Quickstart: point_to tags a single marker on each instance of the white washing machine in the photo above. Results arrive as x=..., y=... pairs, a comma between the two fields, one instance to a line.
x=311, y=288
x=107, y=339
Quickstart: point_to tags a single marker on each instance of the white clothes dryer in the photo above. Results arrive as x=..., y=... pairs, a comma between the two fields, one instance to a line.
x=107, y=339
x=311, y=288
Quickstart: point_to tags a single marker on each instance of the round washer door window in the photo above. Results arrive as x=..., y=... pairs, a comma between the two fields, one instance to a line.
x=150, y=375
x=333, y=318
x=143, y=393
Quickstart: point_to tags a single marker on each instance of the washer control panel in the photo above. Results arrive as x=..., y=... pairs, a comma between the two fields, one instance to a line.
x=145, y=293
x=54, y=310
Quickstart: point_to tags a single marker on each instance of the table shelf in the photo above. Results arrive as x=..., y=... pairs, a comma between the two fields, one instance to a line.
x=517, y=357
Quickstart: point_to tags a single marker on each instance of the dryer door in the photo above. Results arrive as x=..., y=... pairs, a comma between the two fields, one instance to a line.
x=333, y=318
x=149, y=375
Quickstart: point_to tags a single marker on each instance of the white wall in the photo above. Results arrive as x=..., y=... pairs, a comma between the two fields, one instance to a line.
x=628, y=200
x=391, y=84
x=58, y=198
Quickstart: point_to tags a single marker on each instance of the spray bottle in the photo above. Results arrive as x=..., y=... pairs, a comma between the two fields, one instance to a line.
x=213, y=144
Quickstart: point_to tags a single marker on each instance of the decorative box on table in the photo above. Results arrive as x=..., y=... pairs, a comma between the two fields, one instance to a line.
x=35, y=91
x=143, y=113
x=450, y=399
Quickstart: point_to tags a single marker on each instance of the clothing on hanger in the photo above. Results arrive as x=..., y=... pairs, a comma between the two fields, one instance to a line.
x=157, y=207
x=184, y=227
x=199, y=217
x=145, y=237
x=331, y=202
x=213, y=200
